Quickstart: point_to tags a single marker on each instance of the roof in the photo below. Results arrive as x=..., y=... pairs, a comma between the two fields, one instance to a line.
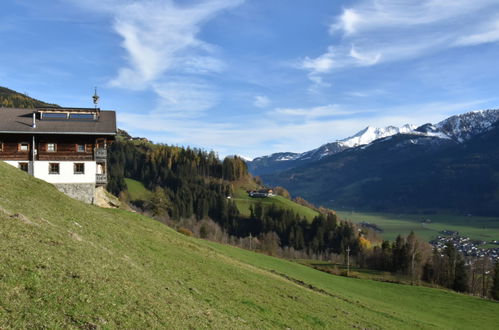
x=20, y=121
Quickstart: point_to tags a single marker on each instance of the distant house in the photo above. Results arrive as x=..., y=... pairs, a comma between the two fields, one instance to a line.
x=64, y=146
x=262, y=193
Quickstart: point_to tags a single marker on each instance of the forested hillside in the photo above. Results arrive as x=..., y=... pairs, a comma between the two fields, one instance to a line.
x=13, y=99
x=190, y=183
x=186, y=182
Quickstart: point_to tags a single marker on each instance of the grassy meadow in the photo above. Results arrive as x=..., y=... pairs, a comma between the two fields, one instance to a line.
x=243, y=202
x=478, y=228
x=65, y=264
x=136, y=190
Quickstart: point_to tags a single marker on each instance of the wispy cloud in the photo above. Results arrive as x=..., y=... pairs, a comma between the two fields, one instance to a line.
x=329, y=110
x=160, y=38
x=261, y=101
x=414, y=28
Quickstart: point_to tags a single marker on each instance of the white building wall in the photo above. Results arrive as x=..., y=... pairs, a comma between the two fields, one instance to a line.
x=66, y=171
x=15, y=163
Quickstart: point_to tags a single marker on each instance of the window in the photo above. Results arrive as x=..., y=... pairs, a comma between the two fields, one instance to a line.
x=55, y=115
x=80, y=148
x=51, y=147
x=53, y=168
x=24, y=146
x=23, y=166
x=81, y=116
x=79, y=168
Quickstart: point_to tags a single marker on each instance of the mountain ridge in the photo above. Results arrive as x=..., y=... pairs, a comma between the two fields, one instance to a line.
x=458, y=128
x=405, y=172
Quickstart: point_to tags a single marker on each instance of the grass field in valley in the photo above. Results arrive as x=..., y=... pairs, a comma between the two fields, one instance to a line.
x=64, y=264
x=243, y=202
x=478, y=228
x=136, y=190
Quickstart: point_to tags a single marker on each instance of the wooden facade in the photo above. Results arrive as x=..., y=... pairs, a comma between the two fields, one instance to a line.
x=53, y=147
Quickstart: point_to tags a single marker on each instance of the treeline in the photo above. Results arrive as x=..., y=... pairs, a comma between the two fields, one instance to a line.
x=324, y=234
x=447, y=267
x=13, y=99
x=185, y=182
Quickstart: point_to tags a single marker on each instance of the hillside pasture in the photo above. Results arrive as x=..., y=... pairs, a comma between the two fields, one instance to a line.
x=243, y=202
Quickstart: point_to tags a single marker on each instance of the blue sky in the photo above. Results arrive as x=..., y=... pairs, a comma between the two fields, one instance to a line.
x=253, y=77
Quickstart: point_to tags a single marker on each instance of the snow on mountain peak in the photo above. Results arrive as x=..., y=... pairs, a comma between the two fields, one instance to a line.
x=369, y=134
x=462, y=127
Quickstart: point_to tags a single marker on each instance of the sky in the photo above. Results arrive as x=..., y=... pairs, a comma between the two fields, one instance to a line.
x=255, y=77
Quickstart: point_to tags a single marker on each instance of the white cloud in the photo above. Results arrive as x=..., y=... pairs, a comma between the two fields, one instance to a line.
x=387, y=30
x=489, y=34
x=322, y=64
x=346, y=22
x=312, y=112
x=364, y=59
x=184, y=98
x=261, y=101
x=160, y=38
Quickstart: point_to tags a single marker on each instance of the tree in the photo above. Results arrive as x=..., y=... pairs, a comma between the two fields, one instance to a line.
x=494, y=291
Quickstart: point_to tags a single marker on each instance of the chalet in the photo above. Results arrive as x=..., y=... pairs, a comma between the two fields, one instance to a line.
x=64, y=146
x=261, y=193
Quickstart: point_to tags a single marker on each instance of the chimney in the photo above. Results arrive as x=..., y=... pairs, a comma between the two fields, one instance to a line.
x=34, y=119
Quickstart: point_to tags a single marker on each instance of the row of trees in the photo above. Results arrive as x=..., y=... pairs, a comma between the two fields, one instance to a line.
x=446, y=268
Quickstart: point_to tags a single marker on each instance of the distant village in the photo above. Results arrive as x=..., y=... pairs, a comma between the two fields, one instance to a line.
x=468, y=247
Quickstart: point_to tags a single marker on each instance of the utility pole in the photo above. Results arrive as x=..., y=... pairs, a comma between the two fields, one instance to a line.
x=348, y=260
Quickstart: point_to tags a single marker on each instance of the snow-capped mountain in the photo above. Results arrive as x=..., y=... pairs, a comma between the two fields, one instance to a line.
x=370, y=134
x=458, y=128
x=463, y=127
x=285, y=160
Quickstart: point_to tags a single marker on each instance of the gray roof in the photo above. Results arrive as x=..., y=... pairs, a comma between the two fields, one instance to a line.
x=20, y=121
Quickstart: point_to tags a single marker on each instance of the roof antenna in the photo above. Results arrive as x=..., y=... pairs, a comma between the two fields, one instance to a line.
x=95, y=98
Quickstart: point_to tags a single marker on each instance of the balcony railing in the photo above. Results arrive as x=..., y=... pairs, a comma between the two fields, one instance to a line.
x=100, y=153
x=101, y=178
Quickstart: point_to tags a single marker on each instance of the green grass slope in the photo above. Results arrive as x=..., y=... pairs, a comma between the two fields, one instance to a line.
x=64, y=264
x=136, y=190
x=243, y=202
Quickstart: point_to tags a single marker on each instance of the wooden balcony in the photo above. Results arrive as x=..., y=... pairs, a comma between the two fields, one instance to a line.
x=101, y=179
x=100, y=153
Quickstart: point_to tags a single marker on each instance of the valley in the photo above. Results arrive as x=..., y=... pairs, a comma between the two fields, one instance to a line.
x=476, y=227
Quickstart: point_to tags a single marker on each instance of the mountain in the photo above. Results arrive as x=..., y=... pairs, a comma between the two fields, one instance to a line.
x=451, y=165
x=285, y=160
x=13, y=99
x=65, y=264
x=462, y=127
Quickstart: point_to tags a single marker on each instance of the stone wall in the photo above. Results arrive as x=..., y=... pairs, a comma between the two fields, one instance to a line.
x=84, y=192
